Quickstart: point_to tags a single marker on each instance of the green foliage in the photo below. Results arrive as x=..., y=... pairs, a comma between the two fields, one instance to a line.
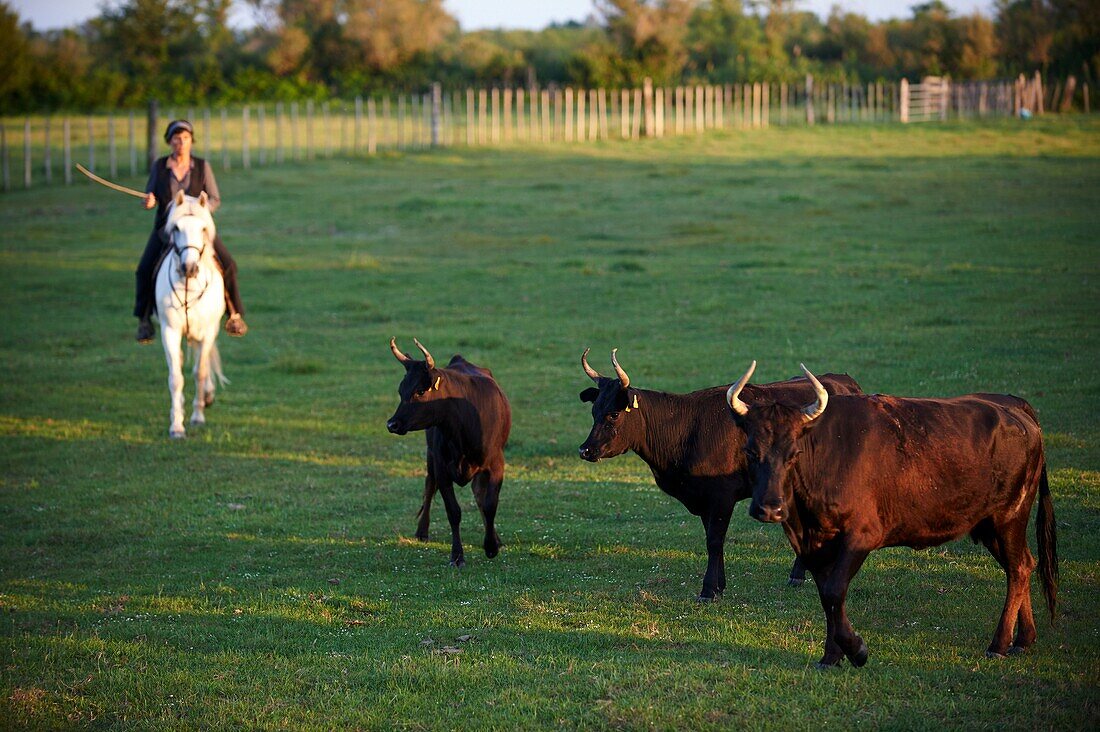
x=262, y=573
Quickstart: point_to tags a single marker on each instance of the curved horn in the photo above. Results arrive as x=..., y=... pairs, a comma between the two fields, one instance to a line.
x=592, y=373
x=733, y=394
x=427, y=356
x=813, y=411
x=397, y=351
x=619, y=369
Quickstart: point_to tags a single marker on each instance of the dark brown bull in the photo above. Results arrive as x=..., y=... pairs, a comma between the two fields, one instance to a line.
x=685, y=439
x=466, y=419
x=876, y=471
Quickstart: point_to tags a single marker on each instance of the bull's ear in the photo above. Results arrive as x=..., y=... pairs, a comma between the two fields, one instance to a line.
x=435, y=384
x=590, y=394
x=631, y=399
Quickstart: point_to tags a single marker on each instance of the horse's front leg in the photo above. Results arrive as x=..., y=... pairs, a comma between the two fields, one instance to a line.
x=170, y=337
x=202, y=382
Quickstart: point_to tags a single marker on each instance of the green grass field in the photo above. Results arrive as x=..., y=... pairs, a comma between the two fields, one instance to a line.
x=263, y=574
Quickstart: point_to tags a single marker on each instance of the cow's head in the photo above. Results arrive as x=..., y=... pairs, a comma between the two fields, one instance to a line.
x=773, y=433
x=421, y=392
x=617, y=422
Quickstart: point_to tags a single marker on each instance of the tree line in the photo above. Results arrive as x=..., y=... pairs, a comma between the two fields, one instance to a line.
x=184, y=51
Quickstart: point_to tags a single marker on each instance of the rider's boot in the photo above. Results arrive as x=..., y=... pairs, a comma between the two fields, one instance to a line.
x=236, y=326
x=145, y=331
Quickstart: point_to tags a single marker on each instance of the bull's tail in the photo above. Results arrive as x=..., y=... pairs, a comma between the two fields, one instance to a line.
x=1048, y=543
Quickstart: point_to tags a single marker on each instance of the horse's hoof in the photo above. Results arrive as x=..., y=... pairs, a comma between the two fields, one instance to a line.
x=796, y=581
x=708, y=598
x=197, y=421
x=825, y=666
x=859, y=658
x=994, y=654
x=1016, y=650
x=177, y=434
x=458, y=563
x=491, y=552
x=420, y=537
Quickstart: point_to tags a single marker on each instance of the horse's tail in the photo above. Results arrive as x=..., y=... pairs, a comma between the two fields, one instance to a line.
x=216, y=366
x=215, y=362
x=1048, y=543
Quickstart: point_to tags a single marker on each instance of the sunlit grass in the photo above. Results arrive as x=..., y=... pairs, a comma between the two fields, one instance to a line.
x=263, y=573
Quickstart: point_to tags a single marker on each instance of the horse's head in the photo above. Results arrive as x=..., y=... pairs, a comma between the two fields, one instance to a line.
x=190, y=230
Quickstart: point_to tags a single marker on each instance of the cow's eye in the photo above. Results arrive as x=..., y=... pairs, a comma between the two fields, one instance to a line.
x=614, y=416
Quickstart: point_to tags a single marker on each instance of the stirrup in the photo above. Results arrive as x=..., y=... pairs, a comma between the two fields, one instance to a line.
x=235, y=325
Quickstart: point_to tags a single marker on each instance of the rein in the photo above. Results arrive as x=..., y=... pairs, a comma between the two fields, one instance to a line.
x=186, y=301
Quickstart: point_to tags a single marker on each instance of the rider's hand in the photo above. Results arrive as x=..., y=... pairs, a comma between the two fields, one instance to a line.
x=150, y=200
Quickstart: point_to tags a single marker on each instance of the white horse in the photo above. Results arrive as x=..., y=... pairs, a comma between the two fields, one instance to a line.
x=190, y=296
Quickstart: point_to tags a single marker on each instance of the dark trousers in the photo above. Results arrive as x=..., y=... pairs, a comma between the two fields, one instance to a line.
x=143, y=299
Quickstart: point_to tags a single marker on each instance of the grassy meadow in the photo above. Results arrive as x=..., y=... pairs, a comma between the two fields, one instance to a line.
x=263, y=573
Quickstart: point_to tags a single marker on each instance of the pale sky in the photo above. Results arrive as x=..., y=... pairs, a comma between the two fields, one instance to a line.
x=477, y=14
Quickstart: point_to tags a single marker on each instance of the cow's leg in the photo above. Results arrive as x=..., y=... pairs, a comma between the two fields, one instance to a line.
x=486, y=487
x=1008, y=545
x=798, y=573
x=454, y=516
x=423, y=516
x=716, y=523
x=841, y=639
x=171, y=337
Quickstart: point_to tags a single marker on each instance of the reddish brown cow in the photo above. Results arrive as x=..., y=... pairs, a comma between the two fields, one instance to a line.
x=850, y=474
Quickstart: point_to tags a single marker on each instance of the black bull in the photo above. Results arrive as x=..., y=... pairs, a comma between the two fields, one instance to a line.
x=466, y=419
x=850, y=474
x=692, y=446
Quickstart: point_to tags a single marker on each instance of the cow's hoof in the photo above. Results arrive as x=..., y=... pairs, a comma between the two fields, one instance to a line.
x=708, y=598
x=825, y=665
x=491, y=552
x=1016, y=650
x=994, y=654
x=796, y=581
x=458, y=563
x=859, y=658
x=420, y=537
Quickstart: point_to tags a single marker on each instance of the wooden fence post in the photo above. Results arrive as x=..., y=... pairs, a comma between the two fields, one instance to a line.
x=27, y=153
x=111, y=157
x=261, y=142
x=133, y=145
x=810, y=99
x=4, y=158
x=647, y=106
x=437, y=112
x=151, y=135
x=903, y=101
x=47, y=163
x=522, y=120
x=67, y=151
x=91, y=143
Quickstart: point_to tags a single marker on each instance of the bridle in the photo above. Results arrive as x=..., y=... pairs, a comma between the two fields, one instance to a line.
x=178, y=251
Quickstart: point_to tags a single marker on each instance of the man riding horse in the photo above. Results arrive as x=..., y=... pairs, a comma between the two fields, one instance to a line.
x=170, y=175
